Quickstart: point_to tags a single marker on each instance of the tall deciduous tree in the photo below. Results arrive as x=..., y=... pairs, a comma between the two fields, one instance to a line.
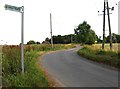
x=85, y=34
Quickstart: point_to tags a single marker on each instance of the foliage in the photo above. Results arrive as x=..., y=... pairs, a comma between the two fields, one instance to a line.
x=85, y=34
x=37, y=42
x=91, y=38
x=99, y=40
x=101, y=56
x=33, y=76
x=11, y=69
x=65, y=39
x=31, y=42
x=115, y=38
x=62, y=39
x=47, y=41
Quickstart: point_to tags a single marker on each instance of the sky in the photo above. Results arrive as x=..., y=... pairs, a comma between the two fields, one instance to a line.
x=66, y=15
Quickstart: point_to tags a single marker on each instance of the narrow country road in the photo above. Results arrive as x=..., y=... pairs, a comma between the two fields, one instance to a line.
x=71, y=70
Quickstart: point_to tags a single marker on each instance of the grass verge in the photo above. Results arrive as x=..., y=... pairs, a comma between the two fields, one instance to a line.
x=34, y=76
x=108, y=57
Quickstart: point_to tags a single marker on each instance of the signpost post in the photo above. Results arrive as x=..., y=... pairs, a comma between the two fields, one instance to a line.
x=21, y=10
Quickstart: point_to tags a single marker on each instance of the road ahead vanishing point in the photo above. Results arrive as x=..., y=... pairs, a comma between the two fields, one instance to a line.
x=71, y=70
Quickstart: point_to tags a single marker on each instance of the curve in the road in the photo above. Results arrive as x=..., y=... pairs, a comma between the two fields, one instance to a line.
x=74, y=71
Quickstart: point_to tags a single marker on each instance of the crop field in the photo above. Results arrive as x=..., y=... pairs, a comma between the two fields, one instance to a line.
x=116, y=47
x=33, y=74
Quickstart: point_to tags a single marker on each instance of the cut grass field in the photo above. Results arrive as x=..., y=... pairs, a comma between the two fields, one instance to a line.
x=95, y=53
x=34, y=76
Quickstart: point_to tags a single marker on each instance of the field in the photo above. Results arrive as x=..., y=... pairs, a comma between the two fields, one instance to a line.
x=33, y=76
x=106, y=56
x=116, y=47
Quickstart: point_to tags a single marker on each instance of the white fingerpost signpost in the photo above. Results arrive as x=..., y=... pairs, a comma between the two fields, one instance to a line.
x=21, y=10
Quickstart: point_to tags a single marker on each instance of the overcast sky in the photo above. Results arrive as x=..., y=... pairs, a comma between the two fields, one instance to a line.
x=66, y=15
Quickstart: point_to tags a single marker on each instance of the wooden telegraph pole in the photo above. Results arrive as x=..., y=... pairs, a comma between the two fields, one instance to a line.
x=109, y=25
x=103, y=43
x=106, y=7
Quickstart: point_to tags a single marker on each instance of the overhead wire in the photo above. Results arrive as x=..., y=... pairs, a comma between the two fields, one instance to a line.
x=55, y=22
x=95, y=5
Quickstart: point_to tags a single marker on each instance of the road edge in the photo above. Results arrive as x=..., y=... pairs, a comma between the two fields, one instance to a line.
x=53, y=82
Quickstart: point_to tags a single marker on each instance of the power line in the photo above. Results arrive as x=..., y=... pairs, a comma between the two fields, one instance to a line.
x=56, y=22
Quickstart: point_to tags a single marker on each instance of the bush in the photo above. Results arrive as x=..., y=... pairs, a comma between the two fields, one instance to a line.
x=101, y=56
x=100, y=52
x=31, y=42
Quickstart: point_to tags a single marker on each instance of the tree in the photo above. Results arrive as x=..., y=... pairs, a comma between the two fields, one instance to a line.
x=31, y=42
x=118, y=38
x=58, y=39
x=85, y=34
x=99, y=40
x=47, y=41
x=37, y=42
x=91, y=38
x=115, y=38
x=66, y=39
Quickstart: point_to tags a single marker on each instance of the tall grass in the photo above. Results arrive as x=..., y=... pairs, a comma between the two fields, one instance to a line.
x=115, y=47
x=33, y=76
x=48, y=47
x=11, y=63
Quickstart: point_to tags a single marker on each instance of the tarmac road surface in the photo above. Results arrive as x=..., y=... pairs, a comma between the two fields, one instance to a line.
x=71, y=70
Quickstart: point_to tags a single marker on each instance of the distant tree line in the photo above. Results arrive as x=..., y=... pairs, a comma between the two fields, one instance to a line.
x=82, y=34
x=115, y=38
x=66, y=39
